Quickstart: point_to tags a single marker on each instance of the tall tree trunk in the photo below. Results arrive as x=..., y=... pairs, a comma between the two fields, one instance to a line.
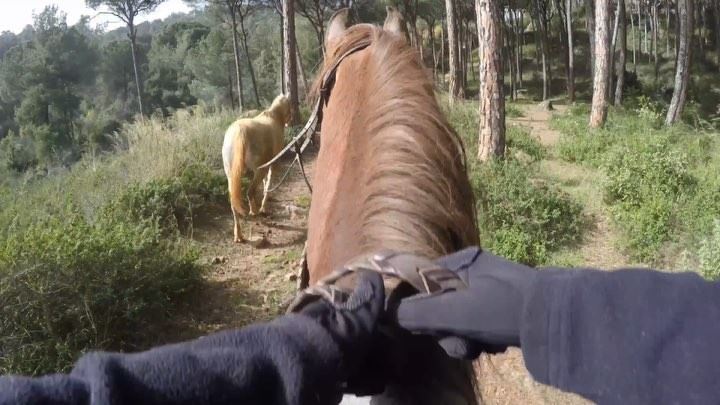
x=492, y=101
x=677, y=33
x=598, y=113
x=560, y=7
x=667, y=27
x=138, y=80
x=509, y=49
x=442, y=52
x=455, y=85
x=570, y=52
x=646, y=48
x=462, y=52
x=230, y=88
x=704, y=25
x=410, y=15
x=613, y=46
x=544, y=48
x=700, y=23
x=291, y=78
x=655, y=27
x=716, y=17
x=682, y=70
x=634, y=40
x=622, y=44
x=520, y=44
x=301, y=70
x=283, y=85
x=590, y=26
x=249, y=62
x=236, y=52
x=431, y=29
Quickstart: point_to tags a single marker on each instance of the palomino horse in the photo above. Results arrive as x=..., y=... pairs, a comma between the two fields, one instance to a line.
x=248, y=144
x=390, y=173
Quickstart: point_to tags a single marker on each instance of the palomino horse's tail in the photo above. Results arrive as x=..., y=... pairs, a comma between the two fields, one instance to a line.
x=237, y=169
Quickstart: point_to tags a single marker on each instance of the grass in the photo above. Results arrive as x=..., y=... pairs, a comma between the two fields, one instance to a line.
x=660, y=183
x=521, y=216
x=92, y=256
x=303, y=201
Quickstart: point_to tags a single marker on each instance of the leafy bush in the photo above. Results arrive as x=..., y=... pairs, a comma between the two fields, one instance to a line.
x=637, y=172
x=521, y=219
x=518, y=138
x=661, y=182
x=99, y=274
x=644, y=183
x=709, y=254
x=513, y=111
x=645, y=227
x=67, y=285
x=172, y=202
x=577, y=143
x=18, y=153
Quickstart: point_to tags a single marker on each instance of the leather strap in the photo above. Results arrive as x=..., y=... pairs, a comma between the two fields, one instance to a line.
x=398, y=270
x=315, y=120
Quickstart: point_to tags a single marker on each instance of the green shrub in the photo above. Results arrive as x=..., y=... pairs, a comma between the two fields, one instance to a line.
x=661, y=182
x=519, y=138
x=697, y=212
x=17, y=153
x=644, y=183
x=513, y=111
x=172, y=202
x=646, y=227
x=67, y=285
x=709, y=254
x=517, y=244
x=635, y=173
x=577, y=143
x=463, y=116
x=583, y=148
x=521, y=219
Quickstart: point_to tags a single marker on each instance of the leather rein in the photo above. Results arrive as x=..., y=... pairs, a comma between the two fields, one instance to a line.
x=300, y=142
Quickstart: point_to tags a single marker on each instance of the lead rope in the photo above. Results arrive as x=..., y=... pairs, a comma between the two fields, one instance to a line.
x=284, y=176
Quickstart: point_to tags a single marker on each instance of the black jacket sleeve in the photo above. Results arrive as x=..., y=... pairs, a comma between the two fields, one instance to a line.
x=628, y=336
x=292, y=360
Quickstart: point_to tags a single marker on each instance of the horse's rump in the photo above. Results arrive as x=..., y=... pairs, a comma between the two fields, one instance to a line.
x=249, y=143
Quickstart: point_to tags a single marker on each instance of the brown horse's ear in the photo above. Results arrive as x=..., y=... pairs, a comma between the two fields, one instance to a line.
x=395, y=23
x=339, y=22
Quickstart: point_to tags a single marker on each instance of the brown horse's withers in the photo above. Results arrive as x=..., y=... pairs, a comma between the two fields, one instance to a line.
x=390, y=174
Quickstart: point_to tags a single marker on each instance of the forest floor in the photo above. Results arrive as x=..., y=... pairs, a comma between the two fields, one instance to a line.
x=249, y=282
x=503, y=378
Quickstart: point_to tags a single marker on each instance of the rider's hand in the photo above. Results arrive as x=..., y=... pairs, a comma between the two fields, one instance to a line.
x=353, y=326
x=485, y=317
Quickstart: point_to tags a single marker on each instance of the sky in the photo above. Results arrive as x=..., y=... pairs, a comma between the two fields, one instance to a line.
x=16, y=14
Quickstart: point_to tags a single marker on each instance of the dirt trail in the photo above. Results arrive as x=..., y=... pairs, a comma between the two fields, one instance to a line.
x=503, y=378
x=247, y=283
x=598, y=247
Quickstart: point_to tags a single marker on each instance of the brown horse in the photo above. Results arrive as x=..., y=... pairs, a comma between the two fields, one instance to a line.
x=390, y=173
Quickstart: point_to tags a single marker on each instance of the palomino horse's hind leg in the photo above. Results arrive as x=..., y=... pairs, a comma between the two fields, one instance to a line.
x=266, y=189
x=253, y=190
x=237, y=232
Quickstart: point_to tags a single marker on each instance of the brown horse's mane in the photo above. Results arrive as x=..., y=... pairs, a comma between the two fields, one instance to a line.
x=417, y=197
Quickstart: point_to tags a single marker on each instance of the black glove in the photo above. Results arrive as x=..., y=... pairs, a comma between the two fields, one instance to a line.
x=484, y=317
x=353, y=326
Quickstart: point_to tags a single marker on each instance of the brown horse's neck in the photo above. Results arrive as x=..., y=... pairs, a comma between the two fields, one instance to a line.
x=391, y=174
